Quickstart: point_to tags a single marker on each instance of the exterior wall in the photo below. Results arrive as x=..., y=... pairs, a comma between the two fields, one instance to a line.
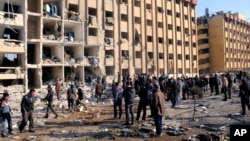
x=124, y=36
x=228, y=43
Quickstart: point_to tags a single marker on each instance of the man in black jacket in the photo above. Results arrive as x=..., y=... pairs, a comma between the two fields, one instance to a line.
x=129, y=94
x=49, y=98
x=143, y=102
x=244, y=96
x=27, y=108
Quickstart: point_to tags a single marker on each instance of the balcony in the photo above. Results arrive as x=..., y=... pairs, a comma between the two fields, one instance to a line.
x=137, y=12
x=124, y=8
x=161, y=63
x=11, y=73
x=109, y=61
x=124, y=26
x=11, y=46
x=11, y=19
x=92, y=21
x=202, y=36
x=149, y=47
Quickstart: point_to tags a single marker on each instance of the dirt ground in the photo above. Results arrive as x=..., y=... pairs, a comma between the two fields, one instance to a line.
x=213, y=117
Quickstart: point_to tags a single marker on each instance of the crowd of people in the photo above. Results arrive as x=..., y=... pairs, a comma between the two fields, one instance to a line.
x=153, y=92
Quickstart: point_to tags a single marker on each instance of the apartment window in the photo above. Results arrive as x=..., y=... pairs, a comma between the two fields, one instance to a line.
x=170, y=56
x=125, y=54
x=137, y=20
x=124, y=1
x=179, y=42
x=194, y=57
x=109, y=14
x=160, y=40
x=138, y=54
x=185, y=4
x=225, y=29
x=177, y=1
x=170, y=41
x=178, y=15
x=109, y=33
x=149, y=22
x=149, y=7
x=187, y=43
x=92, y=11
x=161, y=56
x=92, y=31
x=179, y=56
x=160, y=25
x=194, y=44
x=150, y=55
x=124, y=35
x=186, y=17
x=149, y=38
x=188, y=70
x=137, y=3
x=169, y=12
x=193, y=19
x=170, y=26
x=124, y=17
x=178, y=28
x=187, y=57
x=159, y=9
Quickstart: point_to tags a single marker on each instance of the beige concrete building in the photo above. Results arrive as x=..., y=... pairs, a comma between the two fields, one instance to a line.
x=75, y=39
x=223, y=40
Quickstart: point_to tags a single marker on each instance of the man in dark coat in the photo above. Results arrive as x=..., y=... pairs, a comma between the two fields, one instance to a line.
x=217, y=84
x=212, y=82
x=158, y=103
x=143, y=102
x=49, y=99
x=129, y=95
x=244, y=96
x=27, y=109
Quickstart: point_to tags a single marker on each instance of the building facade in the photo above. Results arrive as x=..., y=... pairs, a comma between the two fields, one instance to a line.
x=224, y=42
x=80, y=39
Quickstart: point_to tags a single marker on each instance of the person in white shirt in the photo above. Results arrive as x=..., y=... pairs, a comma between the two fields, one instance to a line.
x=6, y=114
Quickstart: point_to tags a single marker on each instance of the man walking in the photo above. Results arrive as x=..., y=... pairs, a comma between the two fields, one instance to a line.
x=27, y=109
x=158, y=103
x=6, y=114
x=129, y=94
x=49, y=98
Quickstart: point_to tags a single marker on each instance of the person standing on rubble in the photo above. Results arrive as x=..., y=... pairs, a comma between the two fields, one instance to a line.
x=224, y=86
x=143, y=102
x=5, y=114
x=158, y=103
x=244, y=96
x=98, y=91
x=27, y=109
x=118, y=95
x=49, y=98
x=129, y=95
x=58, y=88
x=71, y=97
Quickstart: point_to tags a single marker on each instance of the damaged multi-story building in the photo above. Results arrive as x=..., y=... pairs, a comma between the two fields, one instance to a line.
x=223, y=42
x=76, y=39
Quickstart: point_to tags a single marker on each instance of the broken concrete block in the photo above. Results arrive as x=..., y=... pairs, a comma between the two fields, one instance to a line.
x=147, y=129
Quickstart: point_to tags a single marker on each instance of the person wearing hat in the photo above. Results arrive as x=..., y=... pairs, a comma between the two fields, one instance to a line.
x=158, y=103
x=5, y=114
x=49, y=98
